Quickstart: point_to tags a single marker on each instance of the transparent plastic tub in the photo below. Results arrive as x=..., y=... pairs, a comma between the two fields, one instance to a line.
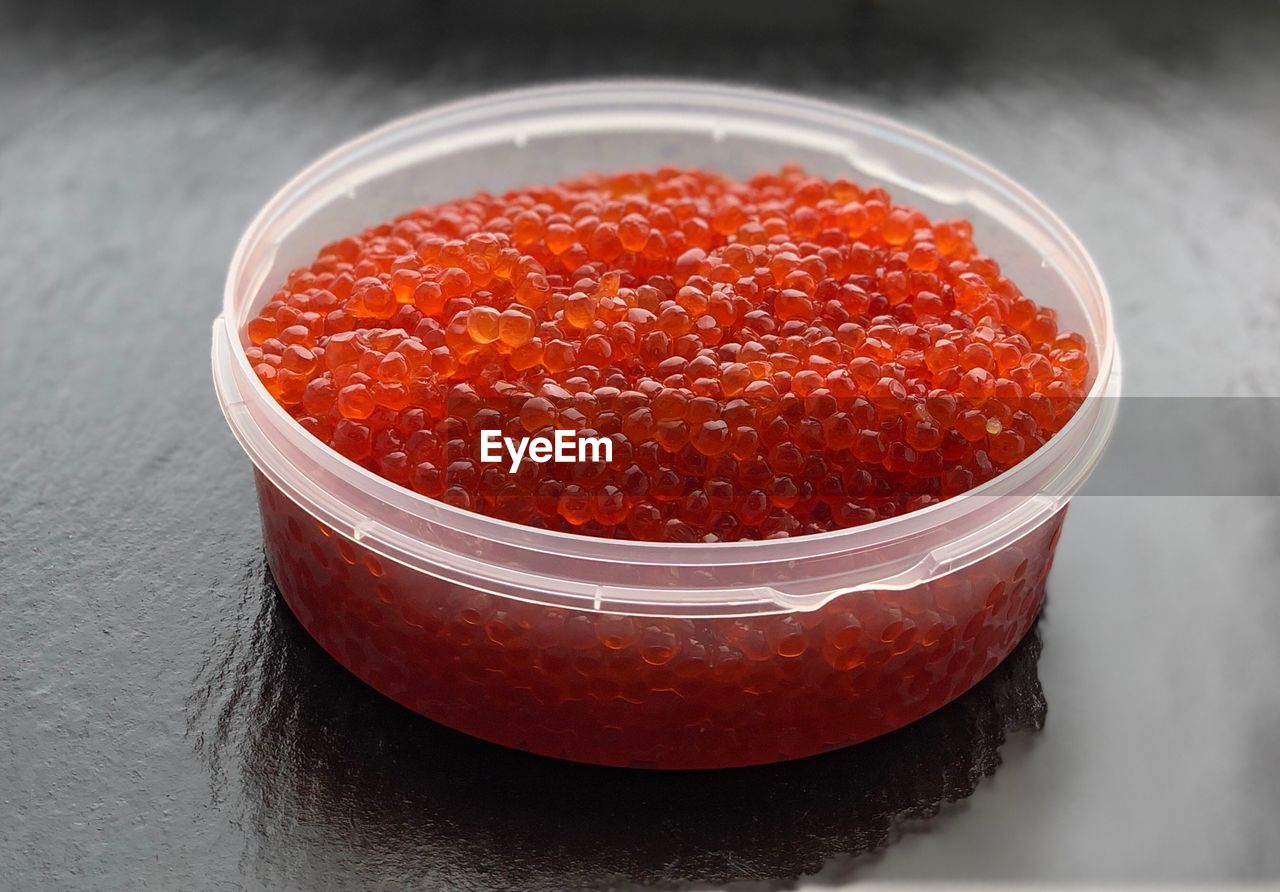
x=650, y=654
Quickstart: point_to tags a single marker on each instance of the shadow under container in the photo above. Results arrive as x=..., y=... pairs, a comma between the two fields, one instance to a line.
x=652, y=654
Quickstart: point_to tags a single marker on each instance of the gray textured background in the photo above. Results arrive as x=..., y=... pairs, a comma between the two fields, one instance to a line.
x=164, y=724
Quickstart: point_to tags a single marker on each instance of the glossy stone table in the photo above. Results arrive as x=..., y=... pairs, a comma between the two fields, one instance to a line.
x=165, y=724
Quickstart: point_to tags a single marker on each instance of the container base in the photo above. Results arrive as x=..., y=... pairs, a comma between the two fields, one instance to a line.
x=646, y=692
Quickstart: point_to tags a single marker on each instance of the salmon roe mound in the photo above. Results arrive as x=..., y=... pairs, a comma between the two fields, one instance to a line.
x=771, y=357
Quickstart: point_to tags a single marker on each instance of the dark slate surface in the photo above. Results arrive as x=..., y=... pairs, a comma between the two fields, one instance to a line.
x=165, y=724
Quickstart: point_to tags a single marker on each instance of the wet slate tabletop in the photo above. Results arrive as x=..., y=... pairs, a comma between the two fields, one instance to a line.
x=164, y=723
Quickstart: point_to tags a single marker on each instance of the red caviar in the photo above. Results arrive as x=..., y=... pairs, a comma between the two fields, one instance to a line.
x=772, y=357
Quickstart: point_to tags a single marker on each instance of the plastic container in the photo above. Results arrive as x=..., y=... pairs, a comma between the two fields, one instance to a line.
x=649, y=654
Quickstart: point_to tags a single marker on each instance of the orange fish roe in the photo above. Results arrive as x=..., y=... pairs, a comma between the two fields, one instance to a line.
x=771, y=357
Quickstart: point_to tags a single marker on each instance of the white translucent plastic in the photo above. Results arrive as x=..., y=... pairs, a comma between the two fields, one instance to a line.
x=541, y=135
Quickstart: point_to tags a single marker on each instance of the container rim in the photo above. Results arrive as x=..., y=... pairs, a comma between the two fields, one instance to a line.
x=651, y=102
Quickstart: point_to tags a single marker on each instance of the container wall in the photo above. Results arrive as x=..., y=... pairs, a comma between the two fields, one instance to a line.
x=646, y=691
